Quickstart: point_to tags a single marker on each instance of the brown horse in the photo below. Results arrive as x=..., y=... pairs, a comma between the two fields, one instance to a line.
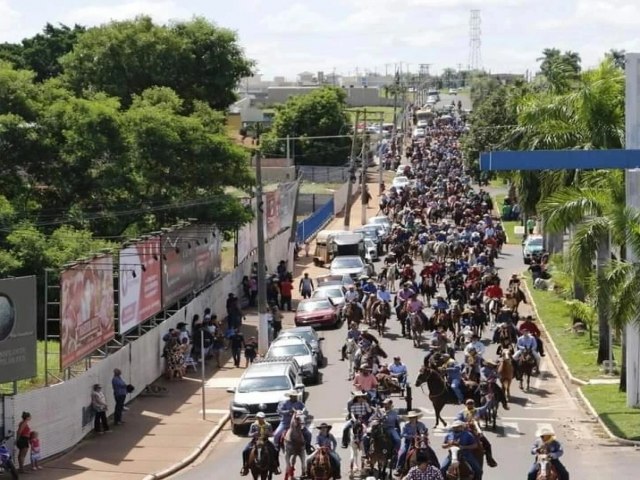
x=381, y=312
x=440, y=393
x=420, y=447
x=505, y=371
x=459, y=468
x=320, y=468
x=352, y=313
x=260, y=461
x=416, y=329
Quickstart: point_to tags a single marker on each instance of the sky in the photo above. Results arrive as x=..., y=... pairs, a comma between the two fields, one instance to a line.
x=286, y=37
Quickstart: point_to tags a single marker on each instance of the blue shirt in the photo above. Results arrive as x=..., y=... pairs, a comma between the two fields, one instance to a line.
x=119, y=386
x=354, y=334
x=527, y=342
x=369, y=288
x=396, y=369
x=327, y=440
x=384, y=295
x=391, y=419
x=554, y=448
x=488, y=373
x=285, y=410
x=463, y=438
x=454, y=373
x=409, y=431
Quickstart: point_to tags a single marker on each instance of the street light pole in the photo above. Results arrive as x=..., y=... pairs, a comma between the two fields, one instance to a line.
x=352, y=168
x=263, y=320
x=363, y=179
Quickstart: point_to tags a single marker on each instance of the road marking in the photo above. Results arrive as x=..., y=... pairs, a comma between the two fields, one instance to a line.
x=510, y=429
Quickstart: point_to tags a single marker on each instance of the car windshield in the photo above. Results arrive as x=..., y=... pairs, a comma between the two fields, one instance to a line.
x=379, y=221
x=328, y=292
x=346, y=263
x=308, y=336
x=311, y=306
x=285, y=350
x=263, y=384
x=535, y=242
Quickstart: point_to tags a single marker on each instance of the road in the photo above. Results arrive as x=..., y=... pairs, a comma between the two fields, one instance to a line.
x=548, y=403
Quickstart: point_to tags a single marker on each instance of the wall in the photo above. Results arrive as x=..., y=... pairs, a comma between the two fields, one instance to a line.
x=278, y=174
x=340, y=198
x=310, y=202
x=315, y=173
x=61, y=413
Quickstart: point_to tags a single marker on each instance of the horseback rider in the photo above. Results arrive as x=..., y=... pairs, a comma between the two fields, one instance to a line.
x=505, y=315
x=468, y=415
x=461, y=437
x=398, y=370
x=382, y=295
x=439, y=340
x=366, y=382
x=412, y=428
x=527, y=324
x=476, y=345
x=505, y=334
x=326, y=439
x=286, y=409
x=390, y=419
x=454, y=375
x=473, y=362
x=358, y=407
x=353, y=334
x=404, y=295
x=549, y=445
x=352, y=296
x=526, y=342
x=441, y=304
x=260, y=429
x=489, y=374
x=369, y=291
x=423, y=470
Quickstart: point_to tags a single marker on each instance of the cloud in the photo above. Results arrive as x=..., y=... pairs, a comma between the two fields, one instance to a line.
x=427, y=38
x=9, y=22
x=451, y=4
x=298, y=19
x=161, y=11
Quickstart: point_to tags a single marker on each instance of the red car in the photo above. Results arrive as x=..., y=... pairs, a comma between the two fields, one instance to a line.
x=316, y=312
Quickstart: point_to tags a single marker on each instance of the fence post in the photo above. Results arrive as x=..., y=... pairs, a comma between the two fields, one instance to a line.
x=313, y=202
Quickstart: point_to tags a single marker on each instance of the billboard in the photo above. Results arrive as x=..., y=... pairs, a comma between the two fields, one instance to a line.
x=190, y=260
x=86, y=306
x=139, y=283
x=272, y=213
x=18, y=339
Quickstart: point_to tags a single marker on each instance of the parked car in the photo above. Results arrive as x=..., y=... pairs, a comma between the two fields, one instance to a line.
x=317, y=312
x=383, y=223
x=453, y=91
x=371, y=254
x=261, y=387
x=298, y=348
x=371, y=233
x=532, y=248
x=351, y=265
x=312, y=338
x=333, y=292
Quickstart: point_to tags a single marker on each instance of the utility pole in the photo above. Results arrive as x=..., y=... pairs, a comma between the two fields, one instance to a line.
x=365, y=162
x=380, y=181
x=395, y=111
x=352, y=169
x=263, y=320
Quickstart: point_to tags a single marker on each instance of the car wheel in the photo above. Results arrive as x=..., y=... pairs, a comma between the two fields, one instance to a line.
x=316, y=377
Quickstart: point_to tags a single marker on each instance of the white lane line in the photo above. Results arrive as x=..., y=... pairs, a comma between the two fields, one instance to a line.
x=317, y=421
x=511, y=429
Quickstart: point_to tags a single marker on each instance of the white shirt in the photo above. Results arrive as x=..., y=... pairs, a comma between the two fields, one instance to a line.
x=351, y=296
x=479, y=347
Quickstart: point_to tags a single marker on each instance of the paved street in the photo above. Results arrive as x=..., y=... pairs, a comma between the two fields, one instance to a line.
x=548, y=403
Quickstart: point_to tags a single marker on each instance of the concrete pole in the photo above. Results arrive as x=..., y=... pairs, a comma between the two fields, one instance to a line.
x=632, y=185
x=380, y=157
x=263, y=319
x=352, y=169
x=365, y=159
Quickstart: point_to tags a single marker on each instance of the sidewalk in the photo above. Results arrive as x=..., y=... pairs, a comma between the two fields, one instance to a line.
x=162, y=431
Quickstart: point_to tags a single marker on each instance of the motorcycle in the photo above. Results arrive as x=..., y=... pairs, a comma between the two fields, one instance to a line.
x=6, y=464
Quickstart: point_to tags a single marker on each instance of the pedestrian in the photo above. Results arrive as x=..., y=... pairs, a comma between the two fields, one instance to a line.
x=236, y=342
x=246, y=289
x=99, y=405
x=286, y=287
x=34, y=442
x=120, y=395
x=250, y=351
x=307, y=248
x=217, y=346
x=23, y=435
x=253, y=291
x=306, y=286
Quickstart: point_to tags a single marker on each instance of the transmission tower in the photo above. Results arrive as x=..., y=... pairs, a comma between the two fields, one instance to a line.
x=475, y=58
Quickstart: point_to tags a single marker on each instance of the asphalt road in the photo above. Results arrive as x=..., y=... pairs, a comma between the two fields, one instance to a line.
x=548, y=403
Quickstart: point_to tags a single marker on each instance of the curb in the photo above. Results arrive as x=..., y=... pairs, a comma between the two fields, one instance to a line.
x=604, y=426
x=563, y=365
x=193, y=455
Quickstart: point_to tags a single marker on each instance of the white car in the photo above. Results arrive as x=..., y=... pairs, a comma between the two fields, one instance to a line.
x=402, y=168
x=422, y=123
x=432, y=100
x=351, y=265
x=418, y=133
x=371, y=254
x=453, y=91
x=383, y=223
x=400, y=182
x=298, y=348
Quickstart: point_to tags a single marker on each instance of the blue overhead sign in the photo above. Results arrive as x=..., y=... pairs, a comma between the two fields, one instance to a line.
x=559, y=159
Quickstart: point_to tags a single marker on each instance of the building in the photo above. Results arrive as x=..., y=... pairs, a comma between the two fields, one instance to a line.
x=247, y=111
x=356, y=96
x=306, y=78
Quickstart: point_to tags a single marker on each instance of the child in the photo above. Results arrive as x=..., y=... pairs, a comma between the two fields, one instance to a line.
x=34, y=442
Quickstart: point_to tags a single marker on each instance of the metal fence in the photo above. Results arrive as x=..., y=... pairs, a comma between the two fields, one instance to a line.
x=310, y=202
x=314, y=173
x=310, y=225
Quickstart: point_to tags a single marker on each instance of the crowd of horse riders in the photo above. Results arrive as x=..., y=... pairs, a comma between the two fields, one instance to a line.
x=443, y=221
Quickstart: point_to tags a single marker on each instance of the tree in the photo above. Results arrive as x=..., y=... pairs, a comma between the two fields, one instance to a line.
x=196, y=59
x=319, y=113
x=481, y=87
x=618, y=57
x=559, y=69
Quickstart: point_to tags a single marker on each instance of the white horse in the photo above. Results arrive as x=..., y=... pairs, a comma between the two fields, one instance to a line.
x=350, y=350
x=440, y=250
x=545, y=468
x=391, y=278
x=356, y=447
x=294, y=446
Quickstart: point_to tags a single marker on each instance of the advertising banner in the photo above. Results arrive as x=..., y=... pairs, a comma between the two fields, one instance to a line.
x=272, y=213
x=18, y=339
x=86, y=307
x=139, y=283
x=288, y=192
x=206, y=241
x=244, y=241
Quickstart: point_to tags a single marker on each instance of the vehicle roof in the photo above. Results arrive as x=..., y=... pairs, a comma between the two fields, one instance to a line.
x=346, y=257
x=268, y=368
x=381, y=217
x=289, y=340
x=298, y=330
x=330, y=285
x=346, y=239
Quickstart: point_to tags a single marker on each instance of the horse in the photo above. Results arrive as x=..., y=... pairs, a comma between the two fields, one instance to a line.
x=320, y=468
x=416, y=329
x=350, y=352
x=294, y=446
x=381, y=451
x=488, y=397
x=419, y=448
x=440, y=393
x=427, y=251
x=352, y=313
x=381, y=312
x=440, y=249
x=459, y=468
x=260, y=461
x=428, y=288
x=546, y=470
x=392, y=278
x=526, y=364
x=493, y=306
x=505, y=371
x=355, y=446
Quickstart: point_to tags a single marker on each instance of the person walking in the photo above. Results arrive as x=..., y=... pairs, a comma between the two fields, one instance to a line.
x=23, y=435
x=99, y=405
x=306, y=286
x=286, y=288
x=236, y=342
x=120, y=395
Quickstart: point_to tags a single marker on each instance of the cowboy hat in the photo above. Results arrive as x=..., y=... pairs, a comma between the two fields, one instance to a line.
x=467, y=311
x=324, y=425
x=458, y=424
x=491, y=363
x=386, y=401
x=292, y=393
x=414, y=414
x=260, y=415
x=544, y=431
x=407, y=284
x=357, y=393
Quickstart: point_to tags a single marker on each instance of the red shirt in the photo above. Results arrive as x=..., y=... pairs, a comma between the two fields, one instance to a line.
x=532, y=327
x=286, y=287
x=493, y=291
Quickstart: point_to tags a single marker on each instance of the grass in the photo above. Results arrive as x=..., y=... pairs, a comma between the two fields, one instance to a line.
x=611, y=406
x=310, y=187
x=510, y=225
x=374, y=116
x=577, y=351
x=39, y=380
